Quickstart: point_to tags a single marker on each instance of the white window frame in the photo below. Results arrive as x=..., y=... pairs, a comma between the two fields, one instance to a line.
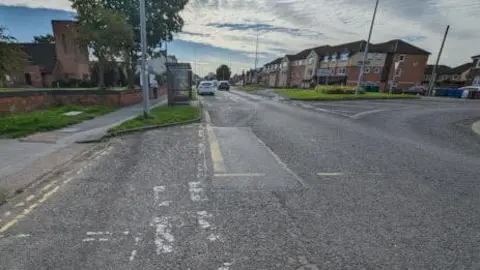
x=455, y=77
x=311, y=60
x=344, y=57
x=370, y=56
x=376, y=70
x=378, y=56
x=366, y=70
x=444, y=77
x=401, y=56
x=478, y=63
x=342, y=71
x=326, y=58
x=333, y=58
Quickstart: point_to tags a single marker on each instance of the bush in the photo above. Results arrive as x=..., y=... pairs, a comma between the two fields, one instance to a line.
x=70, y=83
x=337, y=89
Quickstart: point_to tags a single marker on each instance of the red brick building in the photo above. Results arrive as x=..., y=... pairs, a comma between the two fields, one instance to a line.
x=64, y=59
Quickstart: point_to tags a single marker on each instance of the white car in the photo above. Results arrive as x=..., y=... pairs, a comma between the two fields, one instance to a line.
x=206, y=87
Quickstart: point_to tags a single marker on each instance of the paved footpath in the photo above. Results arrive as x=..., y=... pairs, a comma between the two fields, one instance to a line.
x=23, y=161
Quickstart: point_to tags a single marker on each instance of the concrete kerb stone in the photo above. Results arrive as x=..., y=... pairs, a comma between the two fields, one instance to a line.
x=476, y=127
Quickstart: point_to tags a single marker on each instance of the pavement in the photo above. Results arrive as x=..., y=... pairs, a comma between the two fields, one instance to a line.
x=25, y=160
x=264, y=184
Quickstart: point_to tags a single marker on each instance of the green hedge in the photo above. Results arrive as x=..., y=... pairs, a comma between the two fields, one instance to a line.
x=337, y=89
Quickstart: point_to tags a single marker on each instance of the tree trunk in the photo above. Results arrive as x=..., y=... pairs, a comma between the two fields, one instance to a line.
x=101, y=74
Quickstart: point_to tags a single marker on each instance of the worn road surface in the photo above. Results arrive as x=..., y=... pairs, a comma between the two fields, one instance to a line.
x=264, y=183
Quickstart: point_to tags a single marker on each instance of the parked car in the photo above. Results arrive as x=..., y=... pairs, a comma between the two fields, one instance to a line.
x=224, y=85
x=472, y=88
x=418, y=89
x=206, y=87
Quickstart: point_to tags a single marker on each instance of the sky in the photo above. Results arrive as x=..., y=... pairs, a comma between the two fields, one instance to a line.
x=225, y=31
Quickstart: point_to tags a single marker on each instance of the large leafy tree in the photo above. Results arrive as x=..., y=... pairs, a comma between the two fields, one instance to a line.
x=106, y=32
x=44, y=39
x=223, y=72
x=162, y=20
x=12, y=57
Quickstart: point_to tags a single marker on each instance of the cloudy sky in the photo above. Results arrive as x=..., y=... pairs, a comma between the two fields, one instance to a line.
x=224, y=31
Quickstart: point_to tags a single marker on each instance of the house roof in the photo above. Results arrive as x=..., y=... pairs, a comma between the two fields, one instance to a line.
x=356, y=46
x=276, y=61
x=397, y=46
x=441, y=69
x=476, y=56
x=321, y=50
x=41, y=54
x=462, y=68
x=291, y=57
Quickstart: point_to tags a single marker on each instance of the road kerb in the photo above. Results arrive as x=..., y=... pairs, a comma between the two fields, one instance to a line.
x=476, y=127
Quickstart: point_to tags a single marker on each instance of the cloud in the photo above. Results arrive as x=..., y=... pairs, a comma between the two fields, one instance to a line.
x=288, y=26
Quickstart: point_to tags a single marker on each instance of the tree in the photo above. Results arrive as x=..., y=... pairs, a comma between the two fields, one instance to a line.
x=106, y=32
x=162, y=20
x=44, y=39
x=223, y=73
x=12, y=57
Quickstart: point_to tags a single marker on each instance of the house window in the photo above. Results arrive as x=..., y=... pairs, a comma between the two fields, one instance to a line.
x=64, y=43
x=333, y=58
x=376, y=70
x=284, y=64
x=369, y=56
x=444, y=77
x=366, y=70
x=378, y=56
x=325, y=58
x=401, y=57
x=478, y=63
x=344, y=57
x=311, y=60
x=342, y=71
x=455, y=77
x=28, y=78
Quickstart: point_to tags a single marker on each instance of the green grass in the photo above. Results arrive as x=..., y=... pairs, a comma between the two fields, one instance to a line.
x=159, y=116
x=249, y=88
x=316, y=95
x=14, y=125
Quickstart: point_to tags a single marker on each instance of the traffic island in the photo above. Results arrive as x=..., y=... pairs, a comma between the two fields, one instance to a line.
x=337, y=94
x=164, y=116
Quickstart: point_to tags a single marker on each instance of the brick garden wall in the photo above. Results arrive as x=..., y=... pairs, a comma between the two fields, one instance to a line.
x=32, y=100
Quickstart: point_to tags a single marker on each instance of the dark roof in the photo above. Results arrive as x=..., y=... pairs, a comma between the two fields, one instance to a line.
x=321, y=50
x=291, y=57
x=462, y=68
x=356, y=46
x=303, y=54
x=276, y=61
x=476, y=56
x=41, y=54
x=397, y=46
x=441, y=69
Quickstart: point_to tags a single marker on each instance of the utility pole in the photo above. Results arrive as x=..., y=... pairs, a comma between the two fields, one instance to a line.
x=144, y=70
x=365, y=51
x=433, y=77
x=256, y=52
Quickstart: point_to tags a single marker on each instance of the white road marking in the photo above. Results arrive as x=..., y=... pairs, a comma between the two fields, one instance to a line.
x=225, y=266
x=163, y=235
x=49, y=185
x=238, y=174
x=330, y=174
x=156, y=192
x=279, y=161
x=206, y=116
x=88, y=239
x=196, y=191
x=132, y=256
x=8, y=213
x=202, y=219
x=165, y=203
x=94, y=233
x=358, y=115
x=22, y=235
x=68, y=180
x=137, y=240
x=19, y=204
x=126, y=232
x=102, y=239
x=213, y=237
x=29, y=198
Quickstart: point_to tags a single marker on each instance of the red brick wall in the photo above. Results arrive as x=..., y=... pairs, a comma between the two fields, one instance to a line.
x=367, y=77
x=412, y=68
x=27, y=101
x=296, y=75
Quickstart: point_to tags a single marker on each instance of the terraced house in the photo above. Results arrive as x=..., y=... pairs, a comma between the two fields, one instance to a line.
x=394, y=63
x=474, y=76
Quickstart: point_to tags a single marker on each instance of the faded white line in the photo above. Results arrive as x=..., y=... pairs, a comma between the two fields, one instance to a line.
x=165, y=203
x=95, y=233
x=88, y=239
x=29, y=198
x=225, y=266
x=284, y=166
x=68, y=180
x=330, y=174
x=202, y=219
x=102, y=239
x=163, y=235
x=359, y=115
x=49, y=185
x=126, y=232
x=22, y=235
x=206, y=115
x=238, y=174
x=132, y=256
x=8, y=213
x=196, y=191
x=156, y=192
x=19, y=204
x=213, y=237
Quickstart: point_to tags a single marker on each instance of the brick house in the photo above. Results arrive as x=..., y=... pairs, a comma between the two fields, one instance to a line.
x=285, y=69
x=272, y=71
x=474, y=76
x=64, y=59
x=312, y=62
x=445, y=73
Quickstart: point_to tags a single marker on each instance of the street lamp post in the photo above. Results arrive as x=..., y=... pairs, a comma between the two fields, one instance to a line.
x=365, y=52
x=143, y=69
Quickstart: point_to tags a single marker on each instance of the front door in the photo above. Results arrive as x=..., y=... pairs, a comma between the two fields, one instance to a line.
x=28, y=78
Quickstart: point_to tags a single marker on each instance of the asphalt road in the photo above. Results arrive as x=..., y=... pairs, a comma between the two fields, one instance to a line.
x=266, y=183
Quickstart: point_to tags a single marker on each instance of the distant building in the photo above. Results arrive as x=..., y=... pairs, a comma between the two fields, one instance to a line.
x=474, y=76
x=64, y=59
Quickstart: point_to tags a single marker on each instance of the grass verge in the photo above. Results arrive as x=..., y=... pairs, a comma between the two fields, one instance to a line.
x=249, y=88
x=315, y=95
x=14, y=125
x=61, y=88
x=160, y=116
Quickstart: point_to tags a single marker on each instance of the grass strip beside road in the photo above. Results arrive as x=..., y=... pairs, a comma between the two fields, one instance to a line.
x=7, y=90
x=315, y=95
x=14, y=125
x=160, y=116
x=249, y=88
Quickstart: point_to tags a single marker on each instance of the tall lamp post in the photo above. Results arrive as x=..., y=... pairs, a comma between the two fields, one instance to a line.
x=365, y=51
x=143, y=69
